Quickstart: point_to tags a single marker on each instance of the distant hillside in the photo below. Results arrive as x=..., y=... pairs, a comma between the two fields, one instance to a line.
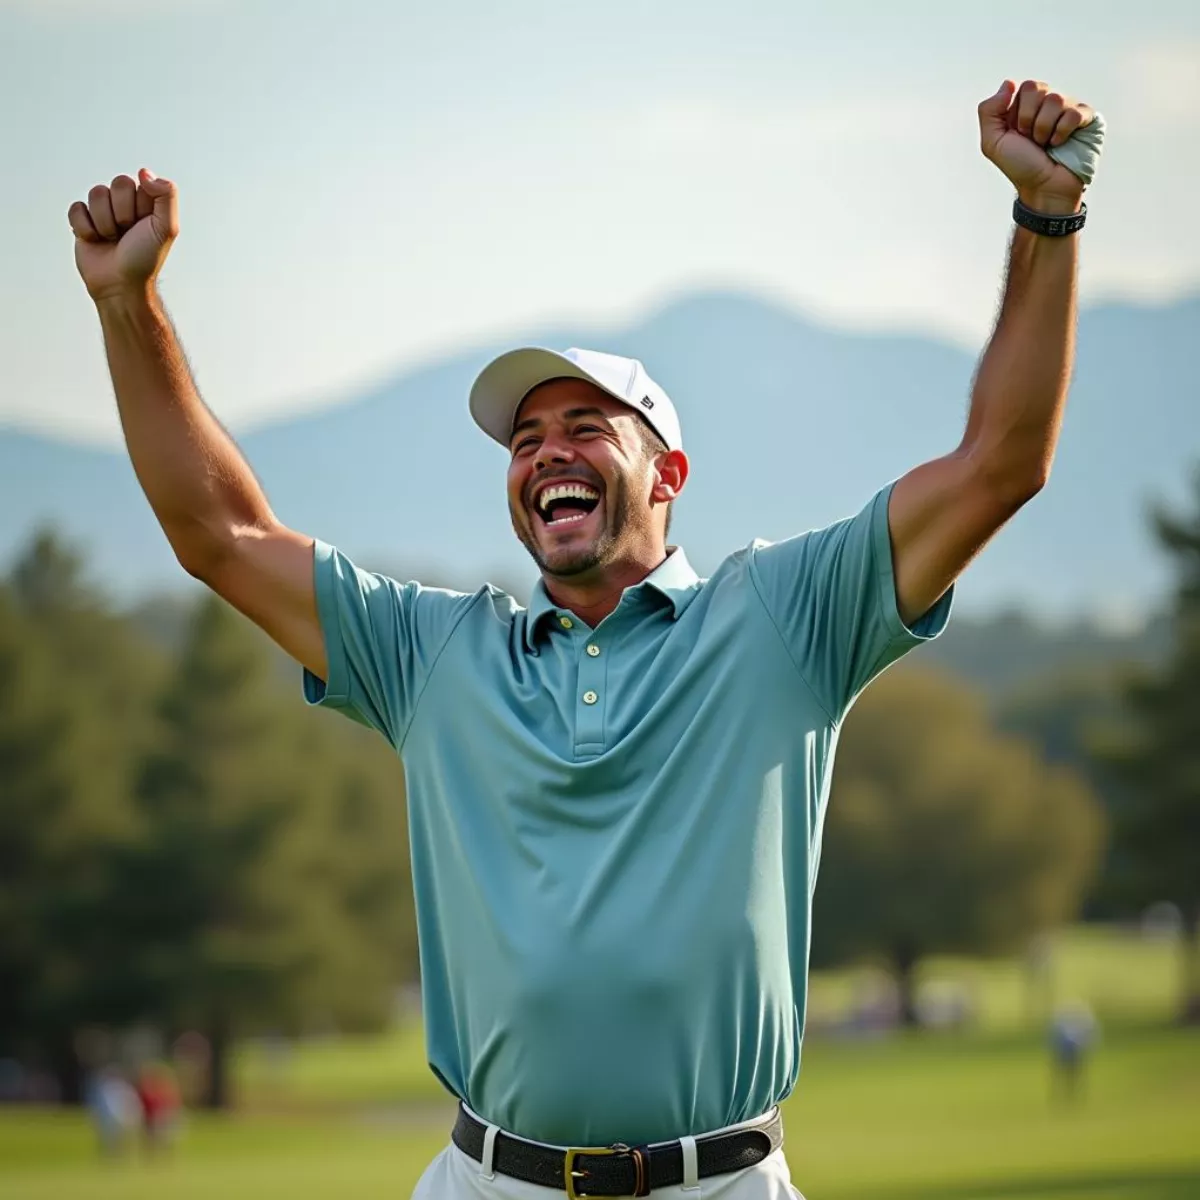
x=1009, y=652
x=1001, y=655
x=789, y=425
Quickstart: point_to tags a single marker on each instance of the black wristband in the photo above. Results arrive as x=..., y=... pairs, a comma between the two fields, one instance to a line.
x=1047, y=225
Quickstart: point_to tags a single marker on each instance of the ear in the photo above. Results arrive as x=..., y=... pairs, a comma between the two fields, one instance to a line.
x=672, y=470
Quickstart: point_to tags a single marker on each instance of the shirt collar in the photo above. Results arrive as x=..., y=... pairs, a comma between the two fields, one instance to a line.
x=673, y=579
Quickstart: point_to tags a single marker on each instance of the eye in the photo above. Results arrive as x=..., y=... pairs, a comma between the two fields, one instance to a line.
x=524, y=444
x=588, y=429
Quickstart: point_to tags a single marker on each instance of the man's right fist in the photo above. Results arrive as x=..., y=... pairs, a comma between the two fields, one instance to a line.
x=124, y=233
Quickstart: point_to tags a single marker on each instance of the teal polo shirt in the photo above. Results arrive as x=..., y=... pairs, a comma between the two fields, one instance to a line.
x=615, y=831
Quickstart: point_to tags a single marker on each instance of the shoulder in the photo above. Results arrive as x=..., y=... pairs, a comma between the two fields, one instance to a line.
x=349, y=594
x=488, y=615
x=487, y=604
x=496, y=604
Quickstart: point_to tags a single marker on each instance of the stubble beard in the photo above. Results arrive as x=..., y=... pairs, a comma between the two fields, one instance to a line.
x=567, y=563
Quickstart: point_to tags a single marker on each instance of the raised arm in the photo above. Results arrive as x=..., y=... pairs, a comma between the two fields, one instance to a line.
x=202, y=491
x=943, y=512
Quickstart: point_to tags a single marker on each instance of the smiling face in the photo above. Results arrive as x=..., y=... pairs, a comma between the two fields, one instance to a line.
x=587, y=487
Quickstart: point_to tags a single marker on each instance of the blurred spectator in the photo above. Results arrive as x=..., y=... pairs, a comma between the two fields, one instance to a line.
x=160, y=1103
x=1072, y=1035
x=946, y=1004
x=875, y=1008
x=115, y=1109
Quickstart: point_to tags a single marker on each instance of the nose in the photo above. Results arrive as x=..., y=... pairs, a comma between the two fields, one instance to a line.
x=555, y=448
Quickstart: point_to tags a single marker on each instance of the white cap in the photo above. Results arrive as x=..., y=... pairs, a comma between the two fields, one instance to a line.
x=501, y=386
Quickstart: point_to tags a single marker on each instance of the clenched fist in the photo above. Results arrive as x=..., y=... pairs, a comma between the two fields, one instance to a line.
x=1017, y=129
x=124, y=233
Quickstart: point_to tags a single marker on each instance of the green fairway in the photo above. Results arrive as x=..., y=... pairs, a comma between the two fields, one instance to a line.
x=952, y=1116
x=948, y=1118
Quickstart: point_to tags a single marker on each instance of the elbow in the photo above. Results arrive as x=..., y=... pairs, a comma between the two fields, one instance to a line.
x=1014, y=484
x=1023, y=487
x=201, y=560
x=201, y=549
x=208, y=551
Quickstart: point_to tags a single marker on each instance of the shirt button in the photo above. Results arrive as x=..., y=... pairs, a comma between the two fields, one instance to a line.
x=590, y=697
x=593, y=650
x=566, y=622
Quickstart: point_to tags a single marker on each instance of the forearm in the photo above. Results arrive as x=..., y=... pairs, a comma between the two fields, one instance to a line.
x=1021, y=385
x=196, y=480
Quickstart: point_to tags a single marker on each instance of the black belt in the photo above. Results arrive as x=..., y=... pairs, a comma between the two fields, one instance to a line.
x=618, y=1170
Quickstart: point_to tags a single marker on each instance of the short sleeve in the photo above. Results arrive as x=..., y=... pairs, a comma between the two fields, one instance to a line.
x=832, y=596
x=382, y=639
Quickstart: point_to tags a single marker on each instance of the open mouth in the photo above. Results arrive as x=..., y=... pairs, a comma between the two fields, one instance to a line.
x=563, y=505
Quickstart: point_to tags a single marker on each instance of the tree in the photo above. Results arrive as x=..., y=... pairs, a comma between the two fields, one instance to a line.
x=39, y=784
x=944, y=836
x=182, y=843
x=72, y=694
x=240, y=905
x=1065, y=715
x=1157, y=761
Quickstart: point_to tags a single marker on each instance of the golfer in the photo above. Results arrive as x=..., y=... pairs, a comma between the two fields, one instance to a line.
x=616, y=794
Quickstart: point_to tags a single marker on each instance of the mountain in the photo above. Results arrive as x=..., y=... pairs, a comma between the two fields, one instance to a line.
x=1009, y=653
x=789, y=425
x=1007, y=656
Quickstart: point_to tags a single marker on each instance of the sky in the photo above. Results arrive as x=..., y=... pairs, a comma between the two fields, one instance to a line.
x=369, y=185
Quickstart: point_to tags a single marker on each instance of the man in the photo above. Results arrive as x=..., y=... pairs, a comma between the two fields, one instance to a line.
x=615, y=796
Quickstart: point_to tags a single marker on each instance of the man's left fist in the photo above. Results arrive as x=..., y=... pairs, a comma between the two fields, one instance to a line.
x=1016, y=128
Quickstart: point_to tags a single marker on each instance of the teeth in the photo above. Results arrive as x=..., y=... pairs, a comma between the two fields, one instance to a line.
x=566, y=491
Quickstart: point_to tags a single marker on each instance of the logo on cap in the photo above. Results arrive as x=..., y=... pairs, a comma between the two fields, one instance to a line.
x=647, y=402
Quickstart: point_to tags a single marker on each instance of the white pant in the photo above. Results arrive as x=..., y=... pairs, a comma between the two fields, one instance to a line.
x=454, y=1175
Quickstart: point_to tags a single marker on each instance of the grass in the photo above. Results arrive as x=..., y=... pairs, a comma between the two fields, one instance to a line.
x=1126, y=979
x=972, y=1117
x=955, y=1116
x=340, y=1072
x=1123, y=976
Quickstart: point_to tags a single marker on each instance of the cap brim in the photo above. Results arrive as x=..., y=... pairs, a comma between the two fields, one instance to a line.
x=501, y=386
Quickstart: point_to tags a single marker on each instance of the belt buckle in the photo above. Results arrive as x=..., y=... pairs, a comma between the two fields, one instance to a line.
x=569, y=1171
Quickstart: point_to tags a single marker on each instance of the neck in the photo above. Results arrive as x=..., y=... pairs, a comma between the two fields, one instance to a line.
x=592, y=597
